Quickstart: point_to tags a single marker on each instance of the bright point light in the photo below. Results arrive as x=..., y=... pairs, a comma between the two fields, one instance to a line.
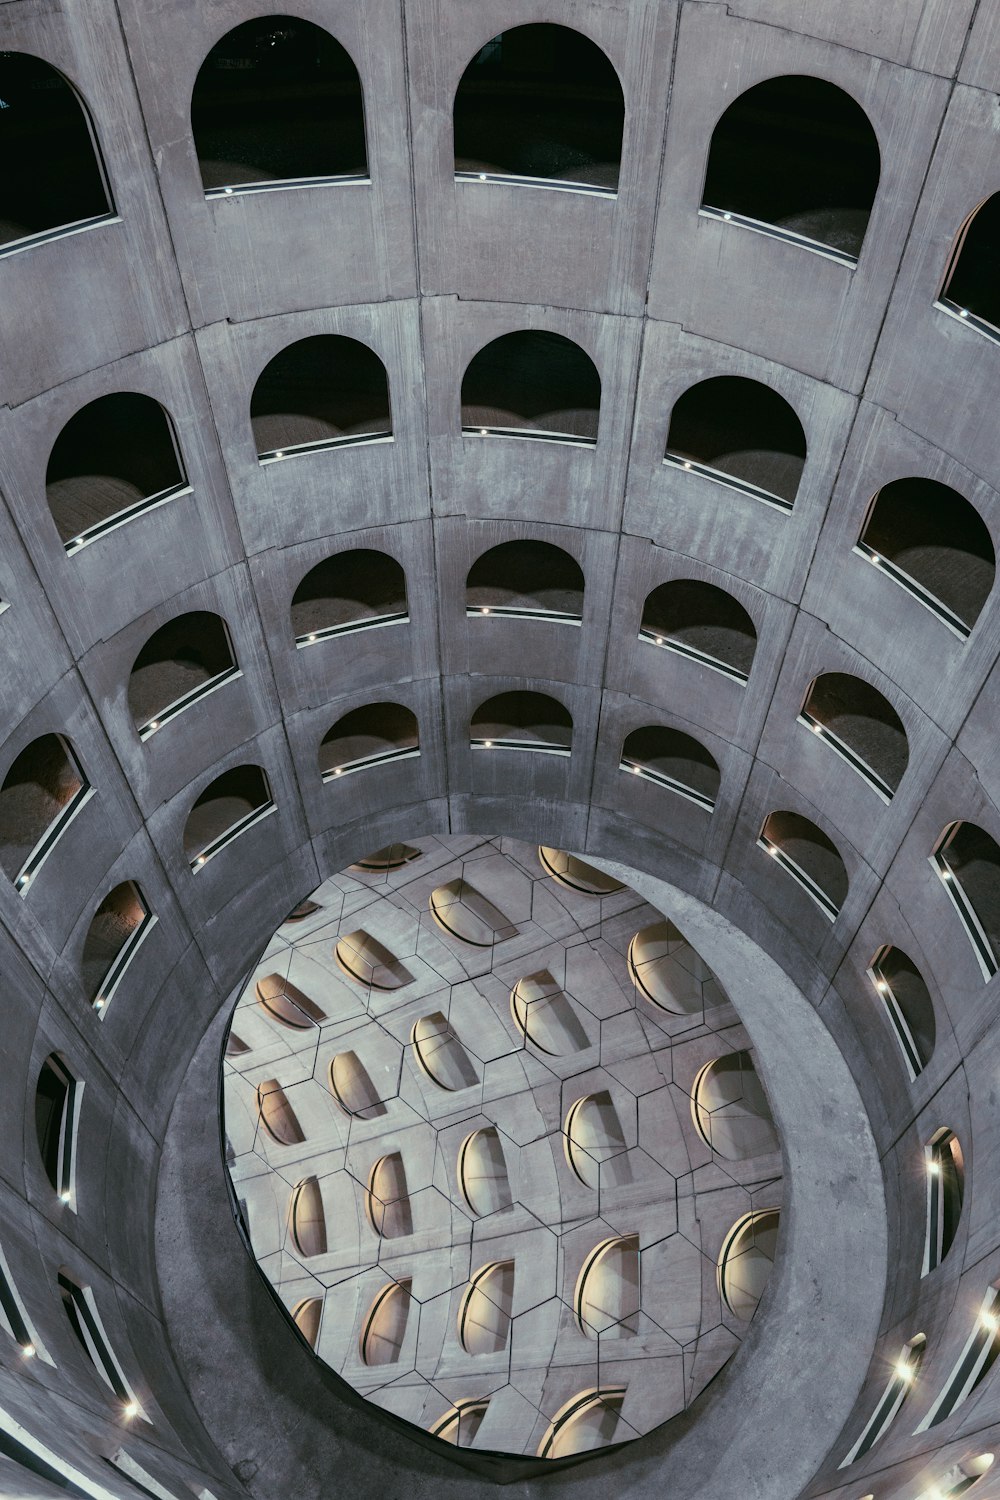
x=28, y=1350
x=934, y=1168
x=131, y=1409
x=990, y=1321
x=64, y=1197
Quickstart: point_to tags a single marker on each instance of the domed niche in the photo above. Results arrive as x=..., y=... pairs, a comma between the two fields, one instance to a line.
x=473, y=1138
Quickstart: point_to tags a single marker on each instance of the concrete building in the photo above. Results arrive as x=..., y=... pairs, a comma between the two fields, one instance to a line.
x=490, y=429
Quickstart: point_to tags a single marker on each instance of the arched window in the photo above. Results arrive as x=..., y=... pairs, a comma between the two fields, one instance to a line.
x=667, y=972
x=485, y=1314
x=460, y=1425
x=117, y=928
x=15, y=1319
x=970, y=282
x=908, y=1004
x=54, y=179
x=526, y=580
x=740, y=433
x=482, y=1172
x=277, y=103
x=589, y=1421
x=353, y=1087
x=384, y=1327
x=899, y=1385
x=674, y=760
x=960, y=1478
x=356, y=590
x=532, y=384
x=746, y=1260
x=974, y=1362
x=854, y=719
x=182, y=662
x=287, y=1004
x=229, y=806
x=544, y=1015
x=307, y=1316
x=465, y=913
x=522, y=721
x=797, y=158
x=326, y=391
x=813, y=860
x=369, y=962
x=730, y=1109
x=388, y=1199
x=307, y=1218
x=41, y=794
x=575, y=874
x=57, y=1115
x=945, y=1189
x=703, y=623
x=441, y=1054
x=277, y=1115
x=607, y=1297
x=115, y=459
x=369, y=736
x=540, y=105
x=390, y=857
x=967, y=860
x=594, y=1142
x=933, y=543
x=85, y=1321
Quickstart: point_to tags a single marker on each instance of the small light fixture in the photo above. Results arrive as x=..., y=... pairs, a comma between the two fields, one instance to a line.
x=154, y=724
x=727, y=217
x=687, y=465
x=946, y=874
x=876, y=559
x=483, y=432
x=934, y=1168
x=964, y=313
x=337, y=770
x=482, y=177
x=130, y=1410
x=200, y=860
x=989, y=1320
x=227, y=190
x=772, y=851
x=99, y=1003
x=659, y=640
x=485, y=609
x=280, y=453
x=881, y=986
x=64, y=1197
x=817, y=729
x=904, y=1372
x=488, y=744
x=28, y=1350
x=637, y=770
x=311, y=638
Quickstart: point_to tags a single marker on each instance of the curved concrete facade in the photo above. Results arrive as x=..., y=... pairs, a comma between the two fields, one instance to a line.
x=187, y=299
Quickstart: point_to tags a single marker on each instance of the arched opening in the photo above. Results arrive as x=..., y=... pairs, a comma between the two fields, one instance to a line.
x=908, y=1005
x=385, y=1325
x=674, y=760
x=182, y=662
x=440, y=1053
x=369, y=962
x=741, y=433
x=41, y=794
x=522, y=721
x=532, y=384
x=276, y=1114
x=975, y=1361
x=460, y=1425
x=703, y=623
x=54, y=178
x=933, y=543
x=88, y=1328
x=970, y=281
x=116, y=929
x=285, y=1003
x=307, y=1218
x=796, y=157
x=388, y=1199
x=967, y=860
x=945, y=1190
x=115, y=459
x=594, y=1142
x=540, y=105
x=544, y=1015
x=854, y=719
x=746, y=1260
x=356, y=590
x=526, y=580
x=667, y=972
x=326, y=391
x=588, y=1421
x=607, y=1296
x=485, y=1314
x=57, y=1108
x=228, y=806
x=465, y=913
x=730, y=1109
x=813, y=860
x=369, y=736
x=307, y=1316
x=961, y=1478
x=575, y=874
x=353, y=1087
x=482, y=1173
x=899, y=1385
x=277, y=103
